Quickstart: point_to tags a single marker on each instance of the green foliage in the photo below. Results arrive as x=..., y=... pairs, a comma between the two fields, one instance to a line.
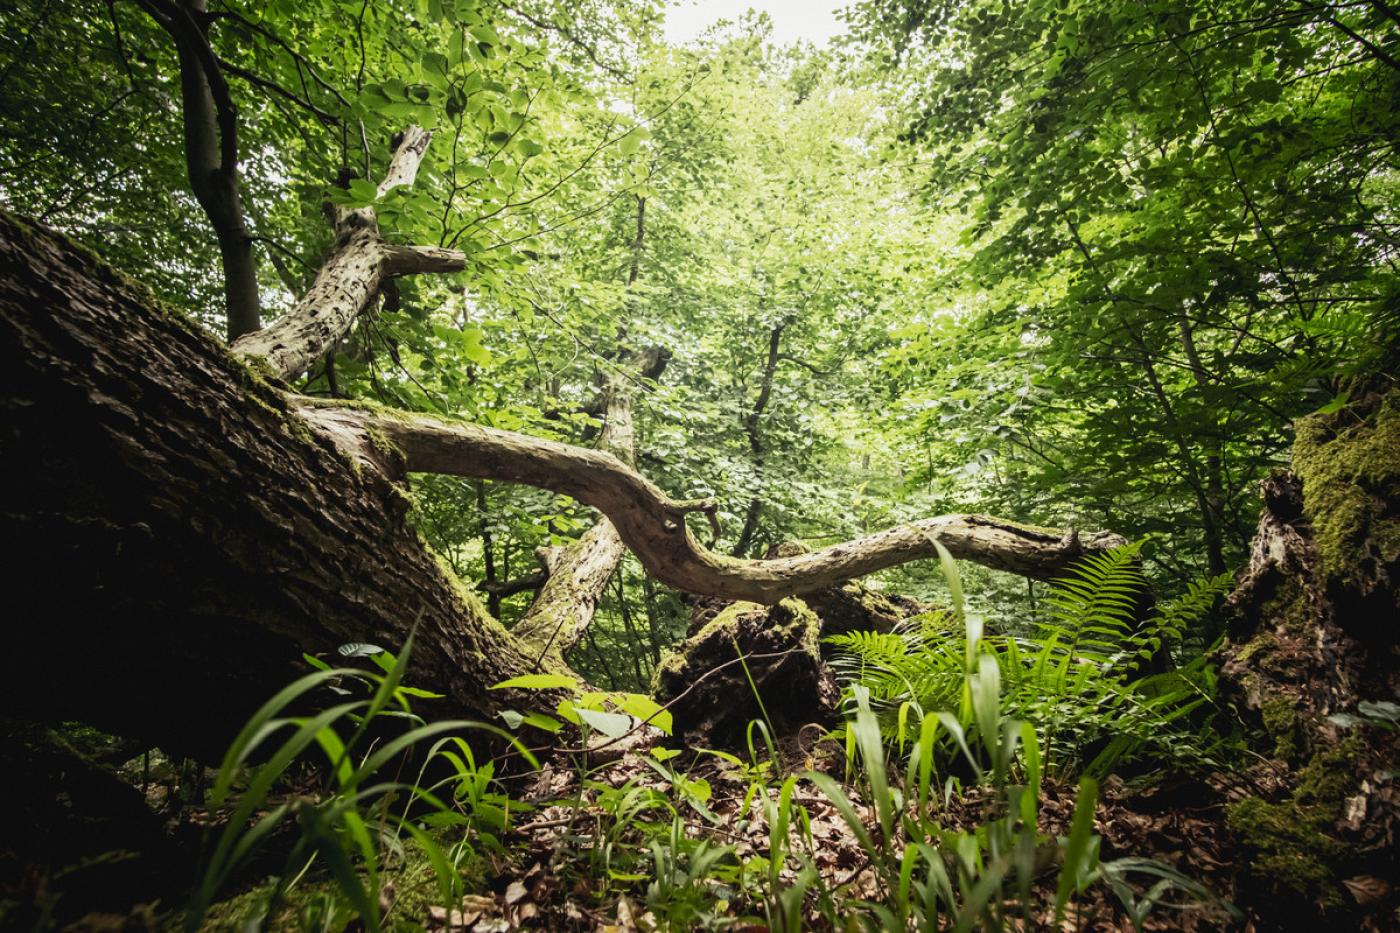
x=354, y=826
x=1081, y=682
x=1172, y=218
x=932, y=877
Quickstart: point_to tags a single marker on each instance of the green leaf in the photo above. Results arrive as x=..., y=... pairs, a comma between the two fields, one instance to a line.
x=613, y=725
x=538, y=682
x=645, y=709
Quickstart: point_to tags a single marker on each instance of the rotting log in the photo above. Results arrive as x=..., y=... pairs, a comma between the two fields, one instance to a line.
x=1313, y=659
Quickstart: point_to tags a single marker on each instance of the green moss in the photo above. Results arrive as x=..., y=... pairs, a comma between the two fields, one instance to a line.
x=1350, y=466
x=672, y=667
x=385, y=447
x=1255, y=645
x=1290, y=609
x=790, y=619
x=470, y=602
x=258, y=370
x=1294, y=848
x=728, y=618
x=792, y=616
x=675, y=664
x=1280, y=715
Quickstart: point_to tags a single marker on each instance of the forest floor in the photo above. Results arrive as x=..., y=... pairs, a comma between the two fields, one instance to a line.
x=1172, y=825
x=578, y=858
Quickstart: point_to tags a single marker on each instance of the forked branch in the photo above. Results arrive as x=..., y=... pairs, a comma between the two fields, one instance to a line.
x=359, y=264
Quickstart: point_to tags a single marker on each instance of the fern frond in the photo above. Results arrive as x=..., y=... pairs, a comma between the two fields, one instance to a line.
x=1091, y=607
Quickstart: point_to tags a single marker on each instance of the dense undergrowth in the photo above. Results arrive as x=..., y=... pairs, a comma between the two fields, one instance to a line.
x=958, y=792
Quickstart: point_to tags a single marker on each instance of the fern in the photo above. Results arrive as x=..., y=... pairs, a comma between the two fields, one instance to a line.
x=1177, y=616
x=918, y=662
x=1077, y=681
x=1092, y=607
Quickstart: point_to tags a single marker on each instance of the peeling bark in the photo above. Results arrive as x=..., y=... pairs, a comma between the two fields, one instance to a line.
x=359, y=265
x=1312, y=642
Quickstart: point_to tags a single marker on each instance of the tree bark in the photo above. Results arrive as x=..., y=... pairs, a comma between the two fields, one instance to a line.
x=1312, y=660
x=208, y=527
x=579, y=574
x=359, y=265
x=181, y=535
x=653, y=525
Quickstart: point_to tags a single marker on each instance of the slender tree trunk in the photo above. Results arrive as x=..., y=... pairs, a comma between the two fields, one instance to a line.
x=632, y=635
x=1213, y=511
x=757, y=449
x=488, y=553
x=654, y=625
x=211, y=156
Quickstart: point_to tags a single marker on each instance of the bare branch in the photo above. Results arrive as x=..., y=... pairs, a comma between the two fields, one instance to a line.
x=653, y=525
x=359, y=265
x=411, y=260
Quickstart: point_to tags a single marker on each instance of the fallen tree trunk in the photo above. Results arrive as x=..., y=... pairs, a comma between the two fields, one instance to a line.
x=207, y=527
x=181, y=534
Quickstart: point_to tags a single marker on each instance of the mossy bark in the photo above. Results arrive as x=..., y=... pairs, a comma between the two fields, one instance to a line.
x=1313, y=638
x=781, y=679
x=180, y=535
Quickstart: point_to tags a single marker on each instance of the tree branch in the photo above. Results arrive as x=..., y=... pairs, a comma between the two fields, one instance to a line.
x=653, y=525
x=579, y=573
x=359, y=265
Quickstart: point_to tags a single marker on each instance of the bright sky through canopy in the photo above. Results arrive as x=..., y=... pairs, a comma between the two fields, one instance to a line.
x=813, y=20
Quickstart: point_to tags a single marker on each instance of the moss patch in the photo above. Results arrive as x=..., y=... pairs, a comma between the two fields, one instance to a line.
x=1350, y=465
x=1280, y=715
x=1296, y=851
x=781, y=647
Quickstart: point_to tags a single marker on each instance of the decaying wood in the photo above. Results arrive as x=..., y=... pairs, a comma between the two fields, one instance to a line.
x=648, y=521
x=1312, y=660
x=212, y=526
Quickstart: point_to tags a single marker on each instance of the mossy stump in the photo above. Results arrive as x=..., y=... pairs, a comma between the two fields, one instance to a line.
x=781, y=678
x=1312, y=644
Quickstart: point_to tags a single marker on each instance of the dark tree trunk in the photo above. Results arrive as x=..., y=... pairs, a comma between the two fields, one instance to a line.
x=1313, y=660
x=179, y=536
